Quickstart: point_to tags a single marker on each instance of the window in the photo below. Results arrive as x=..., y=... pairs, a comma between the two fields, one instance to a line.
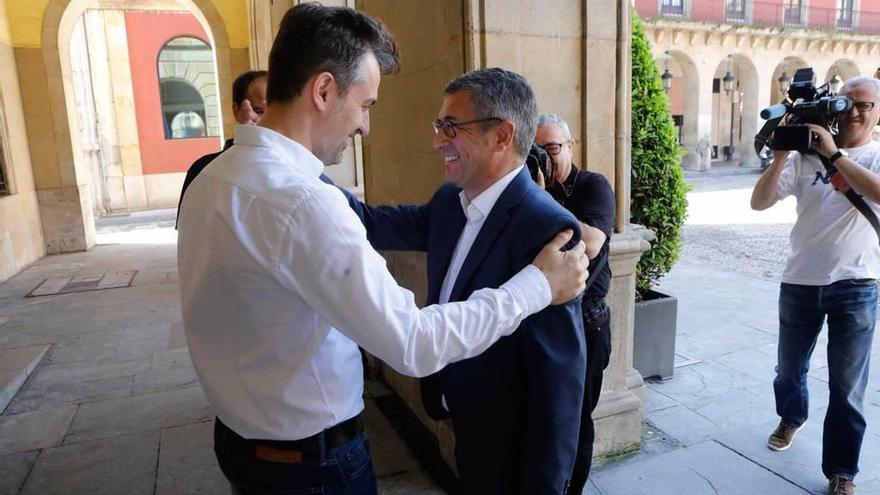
x=188, y=89
x=792, y=13
x=844, y=14
x=736, y=11
x=672, y=8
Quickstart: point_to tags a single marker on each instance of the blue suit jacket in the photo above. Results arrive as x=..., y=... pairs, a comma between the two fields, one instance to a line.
x=516, y=407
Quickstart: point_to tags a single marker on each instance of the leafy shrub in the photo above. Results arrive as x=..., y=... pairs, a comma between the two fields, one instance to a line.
x=659, y=191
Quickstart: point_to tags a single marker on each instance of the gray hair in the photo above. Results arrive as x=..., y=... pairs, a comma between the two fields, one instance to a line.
x=862, y=81
x=552, y=118
x=503, y=94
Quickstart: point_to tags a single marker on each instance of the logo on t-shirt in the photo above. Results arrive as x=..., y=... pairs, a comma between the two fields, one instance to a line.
x=825, y=178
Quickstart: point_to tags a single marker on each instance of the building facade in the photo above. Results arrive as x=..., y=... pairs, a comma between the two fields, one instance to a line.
x=758, y=43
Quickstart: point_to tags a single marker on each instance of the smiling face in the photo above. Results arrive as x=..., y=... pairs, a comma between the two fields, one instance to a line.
x=466, y=156
x=855, y=126
x=349, y=113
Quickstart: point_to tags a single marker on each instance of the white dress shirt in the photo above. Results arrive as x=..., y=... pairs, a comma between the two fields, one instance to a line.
x=279, y=286
x=476, y=212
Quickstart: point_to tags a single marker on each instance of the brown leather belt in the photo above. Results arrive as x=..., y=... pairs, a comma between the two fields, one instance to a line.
x=290, y=451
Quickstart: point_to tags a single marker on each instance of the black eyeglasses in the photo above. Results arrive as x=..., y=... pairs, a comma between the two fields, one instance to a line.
x=552, y=148
x=863, y=106
x=448, y=127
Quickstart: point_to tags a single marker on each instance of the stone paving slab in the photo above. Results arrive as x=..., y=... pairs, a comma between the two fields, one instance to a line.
x=187, y=463
x=801, y=464
x=15, y=366
x=14, y=468
x=155, y=277
x=163, y=380
x=704, y=468
x=84, y=371
x=34, y=430
x=99, y=345
x=35, y=397
x=701, y=381
x=83, y=283
x=137, y=413
x=122, y=464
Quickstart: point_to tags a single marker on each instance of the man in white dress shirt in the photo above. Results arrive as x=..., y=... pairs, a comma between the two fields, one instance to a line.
x=279, y=285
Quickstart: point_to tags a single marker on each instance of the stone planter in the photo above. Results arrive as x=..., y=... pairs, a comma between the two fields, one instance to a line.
x=654, y=335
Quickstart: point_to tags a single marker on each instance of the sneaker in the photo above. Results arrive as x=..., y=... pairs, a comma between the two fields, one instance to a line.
x=838, y=485
x=781, y=438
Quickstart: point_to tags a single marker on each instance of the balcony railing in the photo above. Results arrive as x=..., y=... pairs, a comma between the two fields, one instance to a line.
x=766, y=14
x=672, y=10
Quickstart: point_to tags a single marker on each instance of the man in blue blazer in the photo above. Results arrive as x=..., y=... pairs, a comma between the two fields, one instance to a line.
x=516, y=408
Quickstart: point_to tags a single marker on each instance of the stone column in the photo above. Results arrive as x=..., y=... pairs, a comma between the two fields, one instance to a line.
x=705, y=74
x=619, y=415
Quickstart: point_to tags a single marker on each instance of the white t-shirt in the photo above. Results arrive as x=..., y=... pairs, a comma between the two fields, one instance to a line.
x=831, y=240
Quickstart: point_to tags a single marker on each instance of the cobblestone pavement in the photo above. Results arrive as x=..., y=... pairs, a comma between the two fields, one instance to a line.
x=723, y=232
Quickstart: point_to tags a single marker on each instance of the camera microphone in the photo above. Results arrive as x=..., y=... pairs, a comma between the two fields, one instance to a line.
x=774, y=111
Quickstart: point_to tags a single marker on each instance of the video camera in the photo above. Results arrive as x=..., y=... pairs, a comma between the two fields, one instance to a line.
x=805, y=104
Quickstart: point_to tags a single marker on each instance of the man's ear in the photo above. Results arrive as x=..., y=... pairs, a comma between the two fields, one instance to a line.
x=321, y=87
x=504, y=134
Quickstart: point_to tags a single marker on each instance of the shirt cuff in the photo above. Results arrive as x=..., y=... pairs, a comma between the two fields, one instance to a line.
x=530, y=288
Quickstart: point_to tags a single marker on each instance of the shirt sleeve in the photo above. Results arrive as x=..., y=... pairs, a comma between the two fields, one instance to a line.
x=327, y=260
x=788, y=177
x=596, y=205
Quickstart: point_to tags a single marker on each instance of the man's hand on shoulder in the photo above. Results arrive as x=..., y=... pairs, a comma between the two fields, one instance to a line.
x=566, y=271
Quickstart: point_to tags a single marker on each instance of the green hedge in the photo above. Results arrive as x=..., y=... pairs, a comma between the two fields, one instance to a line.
x=659, y=191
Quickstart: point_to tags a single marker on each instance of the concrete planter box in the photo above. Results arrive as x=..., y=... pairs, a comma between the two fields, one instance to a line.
x=654, y=335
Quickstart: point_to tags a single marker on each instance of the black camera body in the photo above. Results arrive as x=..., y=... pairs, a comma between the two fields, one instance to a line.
x=806, y=104
x=537, y=160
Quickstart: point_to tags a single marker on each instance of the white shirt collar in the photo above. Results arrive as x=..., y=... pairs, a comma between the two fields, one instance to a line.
x=480, y=207
x=288, y=151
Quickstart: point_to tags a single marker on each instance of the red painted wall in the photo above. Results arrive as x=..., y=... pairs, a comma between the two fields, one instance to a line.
x=767, y=12
x=148, y=32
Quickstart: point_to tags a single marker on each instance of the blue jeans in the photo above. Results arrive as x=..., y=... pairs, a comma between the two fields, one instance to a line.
x=851, y=309
x=343, y=470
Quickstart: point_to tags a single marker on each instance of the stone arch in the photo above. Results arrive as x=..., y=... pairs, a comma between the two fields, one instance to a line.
x=62, y=233
x=844, y=68
x=735, y=115
x=685, y=84
x=788, y=66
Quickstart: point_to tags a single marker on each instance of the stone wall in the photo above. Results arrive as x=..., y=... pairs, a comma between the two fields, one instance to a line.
x=21, y=237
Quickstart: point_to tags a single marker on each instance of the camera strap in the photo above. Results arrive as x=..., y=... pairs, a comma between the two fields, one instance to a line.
x=762, y=138
x=855, y=198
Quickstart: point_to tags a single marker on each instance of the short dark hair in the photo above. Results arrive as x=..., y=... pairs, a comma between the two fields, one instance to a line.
x=313, y=38
x=243, y=82
x=500, y=93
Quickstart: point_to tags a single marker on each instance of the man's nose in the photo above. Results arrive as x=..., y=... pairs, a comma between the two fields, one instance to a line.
x=365, y=126
x=439, y=140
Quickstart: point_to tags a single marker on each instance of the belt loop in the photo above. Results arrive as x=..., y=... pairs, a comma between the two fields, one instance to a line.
x=322, y=446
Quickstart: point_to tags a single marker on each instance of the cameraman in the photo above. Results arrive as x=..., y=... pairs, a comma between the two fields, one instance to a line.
x=589, y=197
x=831, y=272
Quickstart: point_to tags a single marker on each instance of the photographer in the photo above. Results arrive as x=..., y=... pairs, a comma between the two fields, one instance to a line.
x=589, y=197
x=831, y=273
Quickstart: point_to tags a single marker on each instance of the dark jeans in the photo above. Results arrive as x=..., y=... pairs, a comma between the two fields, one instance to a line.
x=851, y=309
x=343, y=470
x=598, y=351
